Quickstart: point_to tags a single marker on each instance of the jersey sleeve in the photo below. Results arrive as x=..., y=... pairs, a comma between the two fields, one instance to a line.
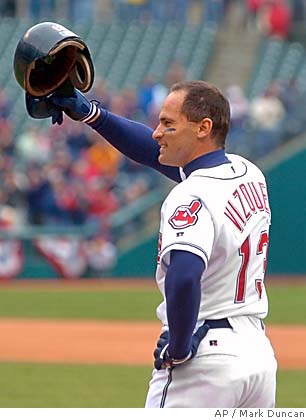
x=187, y=226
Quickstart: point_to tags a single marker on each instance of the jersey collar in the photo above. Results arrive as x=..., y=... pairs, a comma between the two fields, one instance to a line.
x=209, y=160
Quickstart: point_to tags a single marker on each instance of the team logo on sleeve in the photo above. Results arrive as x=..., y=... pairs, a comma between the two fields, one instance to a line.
x=185, y=215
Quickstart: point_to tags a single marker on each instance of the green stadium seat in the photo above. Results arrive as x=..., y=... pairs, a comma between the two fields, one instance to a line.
x=143, y=57
x=201, y=52
x=164, y=52
x=269, y=58
x=187, y=40
x=291, y=62
x=125, y=54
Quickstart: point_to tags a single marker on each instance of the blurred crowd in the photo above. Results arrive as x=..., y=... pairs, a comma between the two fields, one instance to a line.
x=67, y=175
x=274, y=18
x=261, y=124
x=89, y=10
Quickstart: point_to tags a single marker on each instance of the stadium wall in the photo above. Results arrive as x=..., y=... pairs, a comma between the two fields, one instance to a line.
x=285, y=178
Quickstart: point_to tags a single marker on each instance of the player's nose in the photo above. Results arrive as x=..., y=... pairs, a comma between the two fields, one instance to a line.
x=158, y=133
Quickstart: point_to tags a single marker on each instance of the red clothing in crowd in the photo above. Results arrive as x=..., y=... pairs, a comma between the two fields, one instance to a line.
x=254, y=5
x=278, y=19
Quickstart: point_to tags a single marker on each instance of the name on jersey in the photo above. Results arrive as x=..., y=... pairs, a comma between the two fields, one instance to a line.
x=248, y=199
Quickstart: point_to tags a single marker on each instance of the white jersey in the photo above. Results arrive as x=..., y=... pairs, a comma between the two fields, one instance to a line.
x=221, y=214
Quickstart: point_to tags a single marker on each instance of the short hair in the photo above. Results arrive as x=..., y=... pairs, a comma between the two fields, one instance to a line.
x=205, y=100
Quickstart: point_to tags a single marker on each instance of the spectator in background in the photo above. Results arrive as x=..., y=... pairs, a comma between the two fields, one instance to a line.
x=252, y=11
x=118, y=104
x=38, y=195
x=101, y=253
x=11, y=195
x=83, y=170
x=6, y=138
x=288, y=93
x=101, y=92
x=5, y=105
x=267, y=115
x=159, y=93
x=61, y=161
x=33, y=145
x=133, y=181
x=150, y=95
x=129, y=98
x=175, y=73
x=8, y=8
x=267, y=110
x=298, y=10
x=67, y=208
x=103, y=158
x=77, y=140
x=10, y=217
x=239, y=106
x=145, y=95
x=7, y=146
x=13, y=183
x=101, y=201
x=276, y=19
x=6, y=163
x=294, y=102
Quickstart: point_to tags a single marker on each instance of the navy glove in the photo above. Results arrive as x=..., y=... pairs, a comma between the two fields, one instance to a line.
x=40, y=108
x=76, y=106
x=162, y=359
x=162, y=345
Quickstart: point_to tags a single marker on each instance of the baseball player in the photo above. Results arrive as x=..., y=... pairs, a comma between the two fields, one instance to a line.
x=212, y=249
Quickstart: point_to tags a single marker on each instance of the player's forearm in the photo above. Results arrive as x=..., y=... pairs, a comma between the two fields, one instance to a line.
x=134, y=140
x=183, y=294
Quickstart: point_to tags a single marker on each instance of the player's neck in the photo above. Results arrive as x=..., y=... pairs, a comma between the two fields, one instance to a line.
x=206, y=160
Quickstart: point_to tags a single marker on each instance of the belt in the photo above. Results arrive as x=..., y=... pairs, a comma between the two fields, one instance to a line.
x=218, y=323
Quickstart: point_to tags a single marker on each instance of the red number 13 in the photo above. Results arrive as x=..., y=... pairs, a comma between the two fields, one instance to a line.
x=244, y=252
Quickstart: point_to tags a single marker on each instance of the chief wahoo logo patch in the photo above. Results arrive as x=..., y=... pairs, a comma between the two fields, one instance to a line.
x=185, y=215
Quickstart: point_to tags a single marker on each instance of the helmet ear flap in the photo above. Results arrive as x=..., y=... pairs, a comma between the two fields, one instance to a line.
x=37, y=108
x=81, y=74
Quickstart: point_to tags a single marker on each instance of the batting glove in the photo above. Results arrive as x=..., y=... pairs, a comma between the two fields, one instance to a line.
x=76, y=106
x=40, y=108
x=162, y=359
x=159, y=352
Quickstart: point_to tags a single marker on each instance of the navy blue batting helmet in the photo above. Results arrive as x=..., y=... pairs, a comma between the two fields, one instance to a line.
x=50, y=55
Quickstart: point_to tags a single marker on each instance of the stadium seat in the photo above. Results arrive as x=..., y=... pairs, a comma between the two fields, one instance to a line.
x=201, y=52
x=269, y=58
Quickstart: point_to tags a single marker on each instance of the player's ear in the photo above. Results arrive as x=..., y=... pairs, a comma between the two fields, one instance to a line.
x=205, y=127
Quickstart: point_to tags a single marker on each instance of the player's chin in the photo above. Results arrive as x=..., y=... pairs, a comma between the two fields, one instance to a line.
x=163, y=159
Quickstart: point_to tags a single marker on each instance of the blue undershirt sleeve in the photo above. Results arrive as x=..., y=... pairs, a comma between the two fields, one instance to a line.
x=183, y=296
x=134, y=140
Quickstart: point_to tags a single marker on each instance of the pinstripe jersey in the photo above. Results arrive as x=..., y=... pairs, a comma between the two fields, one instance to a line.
x=221, y=214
